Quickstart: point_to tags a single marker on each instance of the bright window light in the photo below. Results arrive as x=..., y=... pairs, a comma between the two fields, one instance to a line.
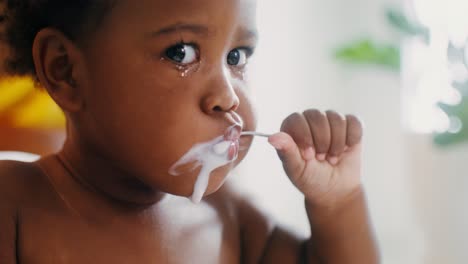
x=429, y=71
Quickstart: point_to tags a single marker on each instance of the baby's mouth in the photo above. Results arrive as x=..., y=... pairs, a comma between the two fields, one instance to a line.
x=220, y=150
x=233, y=133
x=228, y=146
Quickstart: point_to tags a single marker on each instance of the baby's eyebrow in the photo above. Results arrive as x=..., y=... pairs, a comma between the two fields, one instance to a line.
x=177, y=27
x=246, y=34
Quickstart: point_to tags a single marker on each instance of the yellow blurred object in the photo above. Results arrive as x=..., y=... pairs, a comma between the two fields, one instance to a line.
x=38, y=111
x=12, y=90
x=24, y=105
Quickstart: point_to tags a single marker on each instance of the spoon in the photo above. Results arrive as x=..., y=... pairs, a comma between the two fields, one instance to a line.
x=254, y=133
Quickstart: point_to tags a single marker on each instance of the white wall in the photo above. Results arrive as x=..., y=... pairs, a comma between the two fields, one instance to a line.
x=439, y=186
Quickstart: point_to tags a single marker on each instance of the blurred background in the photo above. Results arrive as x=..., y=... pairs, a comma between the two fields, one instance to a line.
x=29, y=120
x=400, y=65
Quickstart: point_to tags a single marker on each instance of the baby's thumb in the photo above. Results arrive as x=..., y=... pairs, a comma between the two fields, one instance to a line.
x=289, y=153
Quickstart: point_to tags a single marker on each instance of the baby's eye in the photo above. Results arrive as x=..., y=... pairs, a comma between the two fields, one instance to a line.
x=182, y=53
x=238, y=57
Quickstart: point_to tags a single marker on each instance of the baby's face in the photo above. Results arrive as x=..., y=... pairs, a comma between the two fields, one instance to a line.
x=163, y=76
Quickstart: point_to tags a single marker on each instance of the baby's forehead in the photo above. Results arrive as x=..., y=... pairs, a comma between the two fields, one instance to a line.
x=207, y=9
x=207, y=12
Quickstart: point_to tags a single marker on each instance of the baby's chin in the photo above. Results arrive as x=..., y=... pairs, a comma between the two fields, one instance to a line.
x=184, y=184
x=184, y=181
x=217, y=179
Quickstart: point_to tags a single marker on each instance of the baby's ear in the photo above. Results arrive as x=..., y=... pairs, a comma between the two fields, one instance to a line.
x=58, y=64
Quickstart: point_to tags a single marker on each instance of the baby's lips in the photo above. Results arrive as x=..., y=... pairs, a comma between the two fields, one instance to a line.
x=234, y=118
x=233, y=133
x=233, y=150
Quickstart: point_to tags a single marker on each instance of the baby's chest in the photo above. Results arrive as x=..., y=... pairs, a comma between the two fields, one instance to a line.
x=48, y=239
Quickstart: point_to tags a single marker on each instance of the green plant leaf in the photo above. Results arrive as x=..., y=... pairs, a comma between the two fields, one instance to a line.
x=459, y=111
x=367, y=52
x=399, y=21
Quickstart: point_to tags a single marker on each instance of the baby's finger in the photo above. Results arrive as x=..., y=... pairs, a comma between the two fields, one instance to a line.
x=320, y=130
x=289, y=153
x=354, y=131
x=297, y=127
x=338, y=135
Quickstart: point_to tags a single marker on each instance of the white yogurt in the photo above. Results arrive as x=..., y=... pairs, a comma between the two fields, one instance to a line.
x=210, y=156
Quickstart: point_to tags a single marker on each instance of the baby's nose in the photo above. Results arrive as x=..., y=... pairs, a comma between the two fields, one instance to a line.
x=220, y=95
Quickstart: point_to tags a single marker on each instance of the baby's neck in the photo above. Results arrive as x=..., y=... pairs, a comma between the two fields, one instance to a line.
x=105, y=183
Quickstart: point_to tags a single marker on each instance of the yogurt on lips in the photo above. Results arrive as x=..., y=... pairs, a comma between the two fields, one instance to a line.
x=209, y=156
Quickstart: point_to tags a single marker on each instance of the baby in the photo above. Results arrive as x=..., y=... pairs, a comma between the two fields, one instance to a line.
x=154, y=93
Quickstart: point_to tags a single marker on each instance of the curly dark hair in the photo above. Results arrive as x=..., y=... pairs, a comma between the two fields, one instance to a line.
x=25, y=18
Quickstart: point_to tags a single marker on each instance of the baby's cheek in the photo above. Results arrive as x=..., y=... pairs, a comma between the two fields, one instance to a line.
x=247, y=112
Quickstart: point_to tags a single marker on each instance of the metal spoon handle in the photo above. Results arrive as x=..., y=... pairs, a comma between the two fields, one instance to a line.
x=254, y=133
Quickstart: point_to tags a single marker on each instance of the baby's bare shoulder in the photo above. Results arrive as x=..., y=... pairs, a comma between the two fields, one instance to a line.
x=17, y=179
x=20, y=181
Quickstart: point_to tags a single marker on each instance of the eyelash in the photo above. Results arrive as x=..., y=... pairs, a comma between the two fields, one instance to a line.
x=183, y=43
x=248, y=50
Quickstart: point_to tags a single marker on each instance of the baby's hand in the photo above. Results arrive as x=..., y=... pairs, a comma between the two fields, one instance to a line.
x=321, y=154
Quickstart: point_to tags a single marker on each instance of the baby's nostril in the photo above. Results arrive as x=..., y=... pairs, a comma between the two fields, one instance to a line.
x=217, y=108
